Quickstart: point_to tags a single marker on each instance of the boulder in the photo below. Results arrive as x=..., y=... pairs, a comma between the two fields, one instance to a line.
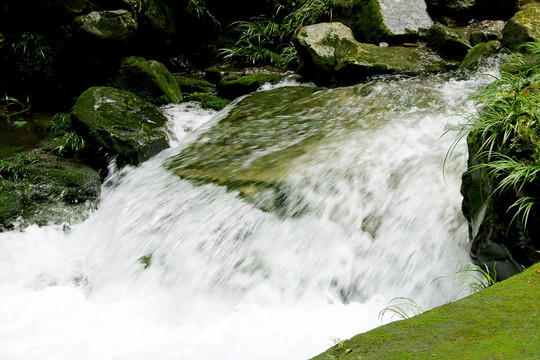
x=208, y=101
x=233, y=86
x=330, y=49
x=110, y=25
x=385, y=20
x=190, y=84
x=118, y=124
x=479, y=53
x=157, y=19
x=460, y=10
x=449, y=42
x=523, y=27
x=44, y=187
x=149, y=79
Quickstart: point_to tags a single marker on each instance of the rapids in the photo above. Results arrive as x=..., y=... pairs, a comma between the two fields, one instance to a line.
x=178, y=264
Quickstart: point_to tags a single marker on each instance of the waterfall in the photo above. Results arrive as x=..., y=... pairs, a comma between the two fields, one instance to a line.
x=171, y=268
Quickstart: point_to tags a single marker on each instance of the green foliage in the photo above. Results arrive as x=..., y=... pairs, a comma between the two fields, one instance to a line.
x=264, y=40
x=67, y=139
x=403, y=308
x=200, y=10
x=506, y=131
x=14, y=106
x=208, y=101
x=18, y=169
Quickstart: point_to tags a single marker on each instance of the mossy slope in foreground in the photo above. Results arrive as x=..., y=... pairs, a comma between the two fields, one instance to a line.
x=500, y=322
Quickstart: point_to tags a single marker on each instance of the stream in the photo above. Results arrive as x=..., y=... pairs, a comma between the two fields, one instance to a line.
x=270, y=230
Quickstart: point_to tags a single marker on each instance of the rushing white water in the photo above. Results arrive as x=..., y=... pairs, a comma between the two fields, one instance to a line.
x=227, y=280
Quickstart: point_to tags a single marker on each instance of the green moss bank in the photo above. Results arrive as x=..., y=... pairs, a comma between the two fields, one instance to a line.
x=500, y=322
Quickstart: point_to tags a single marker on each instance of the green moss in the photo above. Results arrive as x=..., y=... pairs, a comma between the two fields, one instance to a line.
x=190, y=85
x=236, y=85
x=479, y=53
x=118, y=123
x=149, y=79
x=499, y=322
x=371, y=23
x=208, y=101
x=523, y=27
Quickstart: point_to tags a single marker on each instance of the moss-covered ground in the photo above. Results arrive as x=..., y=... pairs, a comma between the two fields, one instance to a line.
x=500, y=322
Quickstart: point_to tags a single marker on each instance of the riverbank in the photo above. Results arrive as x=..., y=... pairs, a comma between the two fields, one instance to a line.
x=500, y=322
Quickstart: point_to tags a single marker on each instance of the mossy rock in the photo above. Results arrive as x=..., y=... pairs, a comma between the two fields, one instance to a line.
x=499, y=322
x=329, y=49
x=478, y=54
x=213, y=75
x=189, y=85
x=450, y=43
x=391, y=20
x=109, y=25
x=157, y=19
x=149, y=79
x=43, y=182
x=523, y=27
x=118, y=124
x=237, y=85
x=208, y=101
x=12, y=201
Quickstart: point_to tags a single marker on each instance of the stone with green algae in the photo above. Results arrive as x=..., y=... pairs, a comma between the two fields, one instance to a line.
x=523, y=27
x=330, y=48
x=233, y=86
x=149, y=79
x=479, y=53
x=118, y=124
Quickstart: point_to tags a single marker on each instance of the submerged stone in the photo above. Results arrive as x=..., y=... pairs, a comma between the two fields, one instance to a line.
x=118, y=124
x=330, y=48
x=237, y=85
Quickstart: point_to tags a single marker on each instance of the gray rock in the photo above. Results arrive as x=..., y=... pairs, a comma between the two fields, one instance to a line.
x=386, y=19
x=112, y=25
x=330, y=49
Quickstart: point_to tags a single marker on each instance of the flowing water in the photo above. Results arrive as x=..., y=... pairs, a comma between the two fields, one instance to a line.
x=267, y=233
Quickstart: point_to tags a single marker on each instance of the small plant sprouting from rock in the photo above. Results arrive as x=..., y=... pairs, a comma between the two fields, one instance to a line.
x=67, y=139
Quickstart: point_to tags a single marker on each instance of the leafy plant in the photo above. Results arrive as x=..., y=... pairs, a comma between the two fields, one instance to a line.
x=69, y=141
x=269, y=40
x=478, y=277
x=199, y=9
x=506, y=130
x=404, y=309
x=17, y=170
x=14, y=106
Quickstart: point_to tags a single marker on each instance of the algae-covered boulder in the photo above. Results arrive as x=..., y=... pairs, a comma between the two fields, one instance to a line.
x=110, y=25
x=479, y=53
x=380, y=20
x=208, y=101
x=523, y=27
x=236, y=85
x=157, y=19
x=190, y=84
x=41, y=186
x=450, y=43
x=118, y=124
x=149, y=79
x=330, y=49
